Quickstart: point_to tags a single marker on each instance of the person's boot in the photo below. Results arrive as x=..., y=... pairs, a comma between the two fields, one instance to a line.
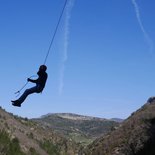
x=16, y=103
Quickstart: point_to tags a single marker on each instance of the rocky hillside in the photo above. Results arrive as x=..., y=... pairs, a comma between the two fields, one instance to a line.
x=136, y=135
x=81, y=129
x=20, y=136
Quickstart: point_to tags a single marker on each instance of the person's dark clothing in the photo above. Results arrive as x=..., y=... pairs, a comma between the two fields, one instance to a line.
x=40, y=84
x=41, y=81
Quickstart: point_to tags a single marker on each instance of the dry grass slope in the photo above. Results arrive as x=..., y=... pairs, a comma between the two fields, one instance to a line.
x=30, y=138
x=136, y=136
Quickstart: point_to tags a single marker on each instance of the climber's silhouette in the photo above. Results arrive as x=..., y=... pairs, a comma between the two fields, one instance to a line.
x=40, y=84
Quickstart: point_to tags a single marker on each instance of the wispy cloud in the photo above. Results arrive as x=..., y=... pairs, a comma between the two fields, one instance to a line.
x=147, y=37
x=69, y=7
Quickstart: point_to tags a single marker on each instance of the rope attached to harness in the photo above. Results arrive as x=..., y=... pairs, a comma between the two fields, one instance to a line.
x=56, y=28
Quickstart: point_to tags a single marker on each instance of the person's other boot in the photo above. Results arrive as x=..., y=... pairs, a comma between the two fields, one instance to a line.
x=16, y=103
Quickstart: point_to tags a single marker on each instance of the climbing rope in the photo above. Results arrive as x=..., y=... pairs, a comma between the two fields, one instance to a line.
x=50, y=45
x=56, y=28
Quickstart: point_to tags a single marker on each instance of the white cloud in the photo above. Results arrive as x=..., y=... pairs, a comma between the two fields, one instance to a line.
x=147, y=37
x=69, y=7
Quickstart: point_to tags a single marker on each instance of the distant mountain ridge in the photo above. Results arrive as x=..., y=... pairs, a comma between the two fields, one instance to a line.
x=81, y=129
x=117, y=120
x=73, y=116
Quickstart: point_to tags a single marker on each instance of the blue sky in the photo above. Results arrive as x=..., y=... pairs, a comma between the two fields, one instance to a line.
x=101, y=62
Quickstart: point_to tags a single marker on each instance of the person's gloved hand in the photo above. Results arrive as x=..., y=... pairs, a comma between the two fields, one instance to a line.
x=28, y=79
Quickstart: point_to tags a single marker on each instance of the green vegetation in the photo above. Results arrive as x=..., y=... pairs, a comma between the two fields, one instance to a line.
x=49, y=147
x=8, y=146
x=32, y=151
x=30, y=135
x=81, y=129
x=81, y=139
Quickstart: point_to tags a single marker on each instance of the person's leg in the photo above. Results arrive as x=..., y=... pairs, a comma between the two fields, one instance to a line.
x=26, y=93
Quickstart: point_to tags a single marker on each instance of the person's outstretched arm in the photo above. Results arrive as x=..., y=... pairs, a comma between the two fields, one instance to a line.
x=33, y=81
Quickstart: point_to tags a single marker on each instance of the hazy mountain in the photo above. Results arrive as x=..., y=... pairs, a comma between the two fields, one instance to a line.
x=136, y=135
x=119, y=120
x=20, y=136
x=81, y=129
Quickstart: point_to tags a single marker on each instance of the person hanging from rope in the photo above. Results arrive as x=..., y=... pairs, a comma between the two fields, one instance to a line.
x=40, y=84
